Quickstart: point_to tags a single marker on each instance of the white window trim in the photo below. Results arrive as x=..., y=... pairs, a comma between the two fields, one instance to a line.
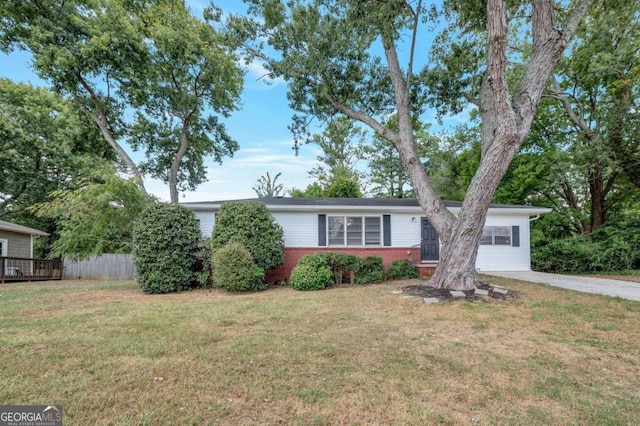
x=363, y=231
x=5, y=247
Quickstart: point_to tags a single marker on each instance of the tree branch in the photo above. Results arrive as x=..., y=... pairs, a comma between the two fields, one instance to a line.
x=549, y=44
x=578, y=121
x=416, y=16
x=377, y=127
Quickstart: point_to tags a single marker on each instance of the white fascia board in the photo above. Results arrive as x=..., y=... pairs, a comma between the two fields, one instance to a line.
x=531, y=211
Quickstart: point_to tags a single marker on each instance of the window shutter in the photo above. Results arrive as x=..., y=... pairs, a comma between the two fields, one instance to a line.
x=386, y=227
x=515, y=236
x=322, y=230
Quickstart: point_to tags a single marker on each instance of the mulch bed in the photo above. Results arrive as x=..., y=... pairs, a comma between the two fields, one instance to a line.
x=443, y=295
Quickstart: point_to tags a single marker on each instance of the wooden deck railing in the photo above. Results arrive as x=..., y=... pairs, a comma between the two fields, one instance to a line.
x=16, y=269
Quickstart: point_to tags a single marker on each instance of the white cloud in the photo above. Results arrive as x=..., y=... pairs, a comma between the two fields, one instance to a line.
x=236, y=176
x=256, y=72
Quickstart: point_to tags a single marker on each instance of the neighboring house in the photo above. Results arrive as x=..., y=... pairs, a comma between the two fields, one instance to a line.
x=390, y=228
x=16, y=255
x=17, y=240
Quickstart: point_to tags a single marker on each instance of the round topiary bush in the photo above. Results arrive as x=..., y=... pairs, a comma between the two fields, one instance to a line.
x=235, y=270
x=306, y=277
x=251, y=224
x=402, y=269
x=165, y=248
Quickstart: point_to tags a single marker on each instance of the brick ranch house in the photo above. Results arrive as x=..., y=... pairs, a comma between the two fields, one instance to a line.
x=390, y=228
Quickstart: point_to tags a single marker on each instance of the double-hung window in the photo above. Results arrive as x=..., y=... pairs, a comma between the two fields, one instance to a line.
x=496, y=236
x=354, y=230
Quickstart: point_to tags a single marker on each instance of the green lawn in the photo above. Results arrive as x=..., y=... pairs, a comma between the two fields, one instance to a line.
x=348, y=355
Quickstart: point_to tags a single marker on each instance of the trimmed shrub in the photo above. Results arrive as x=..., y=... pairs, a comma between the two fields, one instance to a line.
x=370, y=271
x=235, y=270
x=340, y=263
x=402, y=269
x=252, y=225
x=315, y=260
x=337, y=262
x=165, y=248
x=306, y=277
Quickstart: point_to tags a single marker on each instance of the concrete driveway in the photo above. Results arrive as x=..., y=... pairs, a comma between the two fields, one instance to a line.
x=623, y=289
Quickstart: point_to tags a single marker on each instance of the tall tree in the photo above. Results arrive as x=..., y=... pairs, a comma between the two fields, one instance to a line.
x=313, y=190
x=268, y=187
x=340, y=146
x=326, y=54
x=152, y=56
x=597, y=88
x=387, y=174
x=192, y=76
x=82, y=48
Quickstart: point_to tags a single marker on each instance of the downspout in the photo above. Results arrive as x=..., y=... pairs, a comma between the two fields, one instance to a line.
x=536, y=217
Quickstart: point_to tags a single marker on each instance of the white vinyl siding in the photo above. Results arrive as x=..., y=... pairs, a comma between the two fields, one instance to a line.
x=506, y=257
x=301, y=230
x=207, y=219
x=405, y=231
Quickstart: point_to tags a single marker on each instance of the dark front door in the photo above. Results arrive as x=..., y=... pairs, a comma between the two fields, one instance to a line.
x=430, y=247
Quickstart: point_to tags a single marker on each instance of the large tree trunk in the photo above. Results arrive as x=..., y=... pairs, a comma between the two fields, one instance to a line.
x=177, y=160
x=597, y=193
x=100, y=118
x=505, y=126
x=457, y=266
x=122, y=154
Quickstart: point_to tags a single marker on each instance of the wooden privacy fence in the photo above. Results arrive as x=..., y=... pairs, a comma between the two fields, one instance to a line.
x=104, y=267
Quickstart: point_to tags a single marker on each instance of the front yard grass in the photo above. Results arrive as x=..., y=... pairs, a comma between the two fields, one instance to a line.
x=359, y=355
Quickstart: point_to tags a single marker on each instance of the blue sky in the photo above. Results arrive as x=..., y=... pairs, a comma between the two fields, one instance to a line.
x=260, y=127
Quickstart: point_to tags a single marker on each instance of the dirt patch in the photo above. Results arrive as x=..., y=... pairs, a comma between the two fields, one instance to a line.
x=441, y=294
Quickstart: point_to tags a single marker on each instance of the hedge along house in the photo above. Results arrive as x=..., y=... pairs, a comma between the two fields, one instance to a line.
x=16, y=255
x=390, y=228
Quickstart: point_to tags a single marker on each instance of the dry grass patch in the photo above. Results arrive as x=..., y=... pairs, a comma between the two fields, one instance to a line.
x=349, y=355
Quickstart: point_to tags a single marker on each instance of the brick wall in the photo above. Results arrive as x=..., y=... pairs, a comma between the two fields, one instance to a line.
x=388, y=254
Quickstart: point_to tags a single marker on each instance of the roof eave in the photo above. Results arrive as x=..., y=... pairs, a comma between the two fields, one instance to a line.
x=517, y=210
